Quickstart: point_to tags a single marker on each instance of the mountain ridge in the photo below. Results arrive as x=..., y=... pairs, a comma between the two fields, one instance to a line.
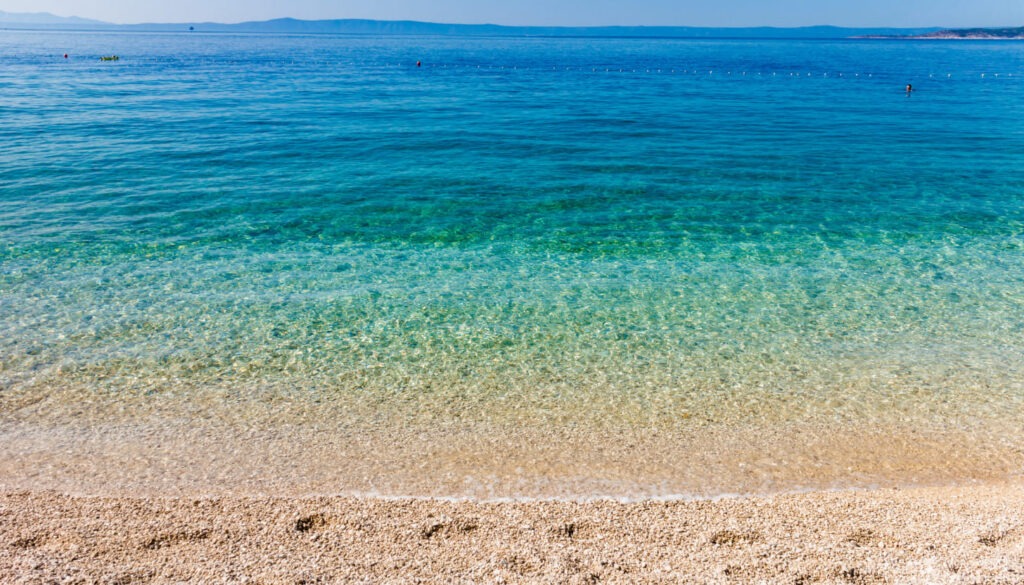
x=43, y=18
x=46, y=21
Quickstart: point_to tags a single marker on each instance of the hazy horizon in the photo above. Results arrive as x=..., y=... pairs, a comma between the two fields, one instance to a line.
x=725, y=13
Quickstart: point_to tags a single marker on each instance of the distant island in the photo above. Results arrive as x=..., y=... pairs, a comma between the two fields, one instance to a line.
x=961, y=33
x=45, y=21
x=975, y=33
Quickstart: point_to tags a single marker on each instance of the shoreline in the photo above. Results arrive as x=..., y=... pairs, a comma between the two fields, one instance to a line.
x=962, y=534
x=482, y=462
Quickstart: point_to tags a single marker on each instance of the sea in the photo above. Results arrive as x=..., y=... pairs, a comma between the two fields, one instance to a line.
x=504, y=267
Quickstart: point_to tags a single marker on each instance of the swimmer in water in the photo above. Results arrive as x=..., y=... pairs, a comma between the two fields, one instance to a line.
x=910, y=88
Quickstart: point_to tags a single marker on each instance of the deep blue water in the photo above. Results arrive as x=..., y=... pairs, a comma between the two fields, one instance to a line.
x=676, y=222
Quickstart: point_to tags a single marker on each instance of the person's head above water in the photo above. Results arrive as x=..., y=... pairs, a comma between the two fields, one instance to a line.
x=910, y=87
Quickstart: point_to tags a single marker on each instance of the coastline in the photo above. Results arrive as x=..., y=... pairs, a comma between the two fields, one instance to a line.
x=486, y=461
x=164, y=490
x=965, y=534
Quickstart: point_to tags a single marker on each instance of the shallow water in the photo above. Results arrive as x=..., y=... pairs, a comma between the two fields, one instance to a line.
x=522, y=236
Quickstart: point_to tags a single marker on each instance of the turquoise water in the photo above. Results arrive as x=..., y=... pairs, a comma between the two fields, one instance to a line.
x=638, y=232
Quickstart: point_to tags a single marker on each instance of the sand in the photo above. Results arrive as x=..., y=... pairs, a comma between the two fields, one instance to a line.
x=95, y=492
x=966, y=534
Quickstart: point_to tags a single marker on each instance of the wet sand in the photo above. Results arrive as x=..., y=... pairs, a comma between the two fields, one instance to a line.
x=972, y=534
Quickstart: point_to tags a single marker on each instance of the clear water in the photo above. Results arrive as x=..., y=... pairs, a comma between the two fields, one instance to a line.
x=522, y=234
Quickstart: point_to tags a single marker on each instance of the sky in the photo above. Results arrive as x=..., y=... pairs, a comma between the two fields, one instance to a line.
x=853, y=13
